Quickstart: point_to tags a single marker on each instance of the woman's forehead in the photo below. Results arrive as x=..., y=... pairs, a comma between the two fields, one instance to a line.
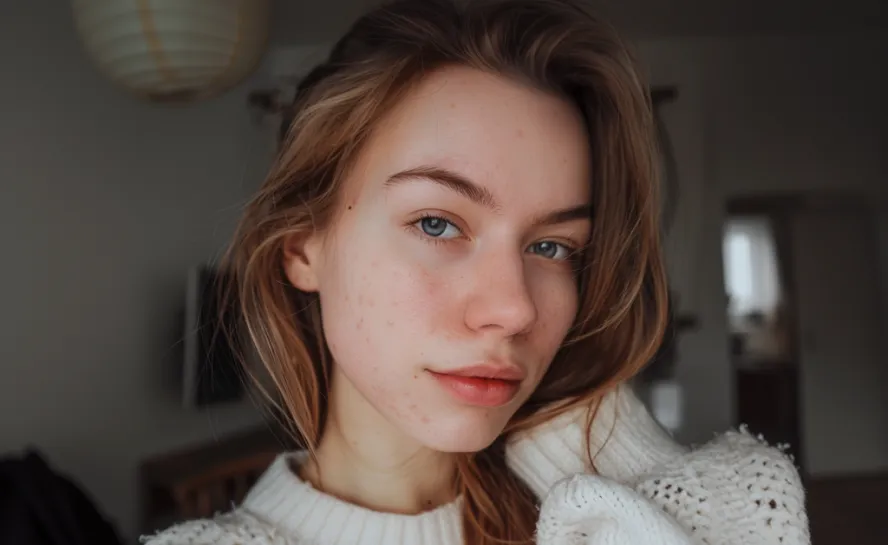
x=502, y=135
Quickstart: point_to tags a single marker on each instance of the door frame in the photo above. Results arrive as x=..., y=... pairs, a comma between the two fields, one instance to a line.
x=778, y=207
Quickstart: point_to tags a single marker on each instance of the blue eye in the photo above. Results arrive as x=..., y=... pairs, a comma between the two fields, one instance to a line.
x=550, y=250
x=436, y=227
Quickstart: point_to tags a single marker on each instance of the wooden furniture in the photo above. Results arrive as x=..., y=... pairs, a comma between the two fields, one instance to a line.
x=199, y=481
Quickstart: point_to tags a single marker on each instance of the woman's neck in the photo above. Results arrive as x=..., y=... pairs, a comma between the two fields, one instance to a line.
x=364, y=460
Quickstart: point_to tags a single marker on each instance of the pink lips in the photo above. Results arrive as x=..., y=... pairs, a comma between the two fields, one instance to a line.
x=482, y=385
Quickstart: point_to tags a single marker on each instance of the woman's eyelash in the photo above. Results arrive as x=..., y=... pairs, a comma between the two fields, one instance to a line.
x=436, y=227
x=433, y=228
x=562, y=251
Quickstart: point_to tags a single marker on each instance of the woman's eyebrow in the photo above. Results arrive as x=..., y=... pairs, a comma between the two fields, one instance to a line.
x=449, y=179
x=565, y=215
x=476, y=193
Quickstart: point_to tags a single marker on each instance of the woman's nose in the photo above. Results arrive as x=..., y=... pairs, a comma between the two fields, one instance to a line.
x=501, y=300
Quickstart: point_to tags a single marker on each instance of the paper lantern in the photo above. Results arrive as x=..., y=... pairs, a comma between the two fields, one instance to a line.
x=174, y=50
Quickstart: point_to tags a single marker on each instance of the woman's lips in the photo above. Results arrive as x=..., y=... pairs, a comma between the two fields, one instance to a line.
x=483, y=391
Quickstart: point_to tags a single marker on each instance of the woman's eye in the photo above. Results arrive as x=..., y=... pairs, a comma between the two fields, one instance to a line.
x=438, y=227
x=550, y=250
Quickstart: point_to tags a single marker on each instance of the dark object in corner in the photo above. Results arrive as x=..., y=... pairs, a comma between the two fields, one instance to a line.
x=40, y=507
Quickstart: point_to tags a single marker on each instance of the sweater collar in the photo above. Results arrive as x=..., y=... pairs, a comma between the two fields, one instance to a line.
x=301, y=511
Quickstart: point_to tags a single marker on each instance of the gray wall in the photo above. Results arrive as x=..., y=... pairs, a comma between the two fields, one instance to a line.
x=312, y=22
x=105, y=203
x=759, y=116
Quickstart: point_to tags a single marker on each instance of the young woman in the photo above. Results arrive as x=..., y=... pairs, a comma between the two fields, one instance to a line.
x=448, y=275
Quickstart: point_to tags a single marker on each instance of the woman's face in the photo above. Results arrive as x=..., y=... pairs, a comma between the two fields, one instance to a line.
x=446, y=282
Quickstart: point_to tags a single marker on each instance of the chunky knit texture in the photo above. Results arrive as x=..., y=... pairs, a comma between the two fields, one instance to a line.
x=734, y=490
x=588, y=509
x=645, y=490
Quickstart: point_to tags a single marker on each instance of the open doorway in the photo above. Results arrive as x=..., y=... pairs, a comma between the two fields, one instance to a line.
x=761, y=328
x=806, y=279
x=804, y=274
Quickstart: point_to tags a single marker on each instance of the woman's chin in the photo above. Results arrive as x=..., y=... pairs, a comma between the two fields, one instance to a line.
x=462, y=444
x=458, y=435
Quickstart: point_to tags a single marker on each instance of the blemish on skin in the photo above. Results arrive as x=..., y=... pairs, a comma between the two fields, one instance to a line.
x=425, y=419
x=390, y=323
x=520, y=133
x=360, y=323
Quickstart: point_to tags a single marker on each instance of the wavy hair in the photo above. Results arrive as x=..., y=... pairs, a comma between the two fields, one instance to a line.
x=557, y=46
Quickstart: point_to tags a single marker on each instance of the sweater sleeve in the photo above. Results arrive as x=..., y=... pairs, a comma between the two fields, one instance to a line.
x=234, y=528
x=625, y=441
x=593, y=510
x=735, y=490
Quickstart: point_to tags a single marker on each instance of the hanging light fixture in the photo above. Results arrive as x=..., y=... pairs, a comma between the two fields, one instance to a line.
x=174, y=50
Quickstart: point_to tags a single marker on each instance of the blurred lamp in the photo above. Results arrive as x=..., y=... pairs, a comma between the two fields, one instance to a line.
x=174, y=50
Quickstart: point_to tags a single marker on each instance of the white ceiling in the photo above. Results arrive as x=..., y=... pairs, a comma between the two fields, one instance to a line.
x=316, y=21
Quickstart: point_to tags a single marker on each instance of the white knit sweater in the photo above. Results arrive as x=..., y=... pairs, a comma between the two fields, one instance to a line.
x=645, y=490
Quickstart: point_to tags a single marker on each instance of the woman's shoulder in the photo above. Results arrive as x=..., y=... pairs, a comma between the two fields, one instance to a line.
x=237, y=527
x=734, y=489
x=731, y=460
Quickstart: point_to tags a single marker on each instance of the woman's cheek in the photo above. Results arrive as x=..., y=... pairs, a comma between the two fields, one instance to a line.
x=557, y=305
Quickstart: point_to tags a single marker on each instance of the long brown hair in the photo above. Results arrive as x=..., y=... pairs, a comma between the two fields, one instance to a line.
x=554, y=45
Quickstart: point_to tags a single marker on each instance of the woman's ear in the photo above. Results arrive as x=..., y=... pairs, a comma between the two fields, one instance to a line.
x=301, y=261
